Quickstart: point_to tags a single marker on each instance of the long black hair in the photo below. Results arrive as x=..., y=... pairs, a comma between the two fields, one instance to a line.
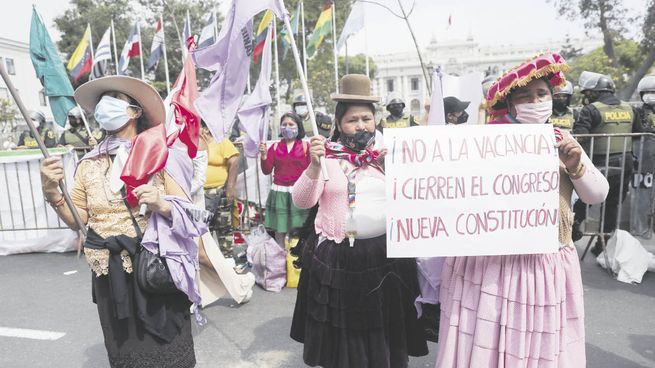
x=340, y=111
x=296, y=119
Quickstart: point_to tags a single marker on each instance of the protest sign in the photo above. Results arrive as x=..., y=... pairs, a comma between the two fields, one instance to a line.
x=472, y=190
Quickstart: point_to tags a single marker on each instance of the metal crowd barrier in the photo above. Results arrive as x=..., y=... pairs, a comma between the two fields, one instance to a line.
x=638, y=158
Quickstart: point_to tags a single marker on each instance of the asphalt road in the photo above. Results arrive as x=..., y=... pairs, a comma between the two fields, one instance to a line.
x=36, y=294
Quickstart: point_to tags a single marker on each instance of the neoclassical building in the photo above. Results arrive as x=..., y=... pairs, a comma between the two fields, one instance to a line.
x=401, y=74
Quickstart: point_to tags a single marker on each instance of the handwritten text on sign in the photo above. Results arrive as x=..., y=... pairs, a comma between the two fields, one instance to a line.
x=472, y=190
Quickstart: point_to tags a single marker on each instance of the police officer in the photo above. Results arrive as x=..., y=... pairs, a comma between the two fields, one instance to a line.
x=324, y=124
x=396, y=117
x=646, y=113
x=76, y=135
x=27, y=140
x=563, y=116
x=604, y=113
x=299, y=106
x=455, y=110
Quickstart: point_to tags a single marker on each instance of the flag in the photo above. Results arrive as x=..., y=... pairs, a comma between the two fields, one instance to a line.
x=323, y=28
x=185, y=120
x=230, y=56
x=130, y=50
x=157, y=48
x=262, y=33
x=50, y=70
x=102, y=56
x=286, y=39
x=254, y=113
x=81, y=60
x=207, y=36
x=354, y=24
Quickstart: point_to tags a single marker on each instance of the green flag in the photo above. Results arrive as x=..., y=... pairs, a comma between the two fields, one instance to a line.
x=50, y=70
x=323, y=28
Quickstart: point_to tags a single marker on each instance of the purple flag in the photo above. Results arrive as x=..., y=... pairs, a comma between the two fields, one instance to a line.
x=230, y=58
x=254, y=113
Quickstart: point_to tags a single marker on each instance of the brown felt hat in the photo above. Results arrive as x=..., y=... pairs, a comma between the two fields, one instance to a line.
x=355, y=88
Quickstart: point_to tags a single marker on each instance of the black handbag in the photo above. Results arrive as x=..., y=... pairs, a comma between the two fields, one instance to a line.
x=151, y=272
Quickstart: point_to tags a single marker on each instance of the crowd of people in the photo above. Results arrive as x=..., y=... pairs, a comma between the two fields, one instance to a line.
x=355, y=306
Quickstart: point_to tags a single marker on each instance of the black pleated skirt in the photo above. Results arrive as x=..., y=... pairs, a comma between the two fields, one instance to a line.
x=130, y=346
x=355, y=307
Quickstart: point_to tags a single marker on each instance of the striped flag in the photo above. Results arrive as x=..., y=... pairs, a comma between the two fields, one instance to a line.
x=207, y=34
x=102, y=56
x=262, y=32
x=286, y=40
x=157, y=48
x=323, y=28
x=81, y=60
x=130, y=50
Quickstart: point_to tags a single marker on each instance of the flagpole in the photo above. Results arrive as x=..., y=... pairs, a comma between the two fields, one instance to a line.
x=42, y=147
x=215, y=26
x=138, y=31
x=113, y=36
x=304, y=46
x=277, y=73
x=91, y=42
x=86, y=123
x=163, y=31
x=303, y=81
x=365, y=41
x=334, y=44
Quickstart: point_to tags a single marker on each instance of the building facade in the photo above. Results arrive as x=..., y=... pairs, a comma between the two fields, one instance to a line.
x=401, y=74
x=15, y=57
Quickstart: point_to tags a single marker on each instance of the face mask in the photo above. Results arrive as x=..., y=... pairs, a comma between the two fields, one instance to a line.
x=289, y=133
x=534, y=113
x=463, y=118
x=649, y=99
x=301, y=110
x=560, y=105
x=111, y=113
x=358, y=141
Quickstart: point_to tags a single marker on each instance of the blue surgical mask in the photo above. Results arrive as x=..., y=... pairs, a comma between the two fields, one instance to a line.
x=289, y=133
x=111, y=113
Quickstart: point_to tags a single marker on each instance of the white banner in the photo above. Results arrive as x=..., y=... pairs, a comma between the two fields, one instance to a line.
x=472, y=190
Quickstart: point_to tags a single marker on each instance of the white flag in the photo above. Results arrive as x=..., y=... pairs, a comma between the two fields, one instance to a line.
x=207, y=34
x=101, y=56
x=354, y=24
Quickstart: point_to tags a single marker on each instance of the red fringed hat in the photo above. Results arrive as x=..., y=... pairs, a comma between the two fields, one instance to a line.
x=549, y=65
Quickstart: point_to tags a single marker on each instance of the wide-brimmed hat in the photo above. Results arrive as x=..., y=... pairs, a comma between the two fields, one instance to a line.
x=549, y=65
x=355, y=88
x=88, y=95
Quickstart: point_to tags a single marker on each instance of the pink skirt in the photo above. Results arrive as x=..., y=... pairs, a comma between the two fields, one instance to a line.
x=512, y=311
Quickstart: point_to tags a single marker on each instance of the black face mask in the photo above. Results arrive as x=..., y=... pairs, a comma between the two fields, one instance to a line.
x=463, y=118
x=396, y=109
x=560, y=105
x=358, y=141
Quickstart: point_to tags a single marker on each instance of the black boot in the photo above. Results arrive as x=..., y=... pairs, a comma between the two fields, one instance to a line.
x=430, y=321
x=576, y=233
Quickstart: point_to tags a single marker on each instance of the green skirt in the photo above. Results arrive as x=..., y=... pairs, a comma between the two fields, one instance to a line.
x=282, y=215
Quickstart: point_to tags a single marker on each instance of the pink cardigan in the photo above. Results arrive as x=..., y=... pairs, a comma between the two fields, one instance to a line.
x=332, y=197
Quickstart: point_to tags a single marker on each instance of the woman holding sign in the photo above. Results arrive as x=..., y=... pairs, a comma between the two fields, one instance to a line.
x=523, y=310
x=355, y=307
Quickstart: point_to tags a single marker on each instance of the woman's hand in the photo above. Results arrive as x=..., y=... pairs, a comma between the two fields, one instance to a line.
x=317, y=150
x=263, y=151
x=149, y=195
x=570, y=153
x=52, y=171
x=93, y=142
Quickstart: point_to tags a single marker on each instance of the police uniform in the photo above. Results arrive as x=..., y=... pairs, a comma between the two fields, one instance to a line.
x=75, y=137
x=404, y=122
x=609, y=115
x=565, y=120
x=27, y=139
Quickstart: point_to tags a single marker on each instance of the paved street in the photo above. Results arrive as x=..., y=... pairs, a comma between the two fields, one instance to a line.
x=37, y=295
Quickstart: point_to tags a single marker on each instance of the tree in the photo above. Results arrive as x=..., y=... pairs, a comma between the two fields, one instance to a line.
x=609, y=17
x=8, y=113
x=569, y=51
x=99, y=14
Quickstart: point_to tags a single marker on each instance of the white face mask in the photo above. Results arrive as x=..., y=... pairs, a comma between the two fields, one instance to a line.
x=534, y=113
x=302, y=110
x=649, y=98
x=111, y=113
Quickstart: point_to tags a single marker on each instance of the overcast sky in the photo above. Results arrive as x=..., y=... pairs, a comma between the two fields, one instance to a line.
x=489, y=22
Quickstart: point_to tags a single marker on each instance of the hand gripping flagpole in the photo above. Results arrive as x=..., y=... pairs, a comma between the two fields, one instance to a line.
x=39, y=141
x=303, y=81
